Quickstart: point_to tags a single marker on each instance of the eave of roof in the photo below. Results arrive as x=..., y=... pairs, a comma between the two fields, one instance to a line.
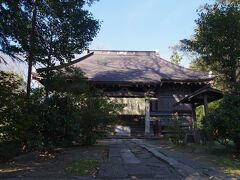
x=197, y=97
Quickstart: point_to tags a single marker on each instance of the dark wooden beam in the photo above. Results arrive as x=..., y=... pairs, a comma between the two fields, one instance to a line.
x=205, y=105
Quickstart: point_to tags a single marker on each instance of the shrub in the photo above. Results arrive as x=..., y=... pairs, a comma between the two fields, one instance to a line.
x=178, y=132
x=223, y=124
x=79, y=110
x=57, y=125
x=13, y=126
x=73, y=112
x=97, y=113
x=200, y=116
x=12, y=103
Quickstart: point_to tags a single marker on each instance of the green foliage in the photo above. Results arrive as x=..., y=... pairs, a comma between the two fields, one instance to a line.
x=178, y=132
x=68, y=80
x=216, y=43
x=91, y=111
x=15, y=124
x=175, y=57
x=14, y=25
x=61, y=29
x=73, y=113
x=57, y=125
x=55, y=115
x=230, y=165
x=199, y=65
x=68, y=30
x=96, y=115
x=223, y=123
x=229, y=1
x=45, y=32
x=200, y=116
x=12, y=105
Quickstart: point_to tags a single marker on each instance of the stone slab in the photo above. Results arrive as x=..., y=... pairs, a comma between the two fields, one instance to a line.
x=110, y=170
x=139, y=171
x=129, y=157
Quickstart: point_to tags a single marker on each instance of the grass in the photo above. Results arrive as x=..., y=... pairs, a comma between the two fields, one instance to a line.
x=229, y=165
x=217, y=155
x=83, y=167
x=225, y=158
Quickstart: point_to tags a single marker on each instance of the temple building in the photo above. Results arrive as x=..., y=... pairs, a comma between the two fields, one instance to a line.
x=150, y=87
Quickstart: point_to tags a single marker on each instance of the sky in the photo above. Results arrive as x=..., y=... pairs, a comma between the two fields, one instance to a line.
x=145, y=24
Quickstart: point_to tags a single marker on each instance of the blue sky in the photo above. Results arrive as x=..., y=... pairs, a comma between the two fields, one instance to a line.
x=145, y=24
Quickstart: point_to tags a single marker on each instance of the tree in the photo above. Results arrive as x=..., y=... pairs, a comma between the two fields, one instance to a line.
x=199, y=65
x=68, y=32
x=229, y=1
x=14, y=27
x=46, y=32
x=175, y=57
x=217, y=44
x=217, y=41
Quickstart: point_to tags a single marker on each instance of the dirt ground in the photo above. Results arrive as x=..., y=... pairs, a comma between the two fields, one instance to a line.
x=32, y=166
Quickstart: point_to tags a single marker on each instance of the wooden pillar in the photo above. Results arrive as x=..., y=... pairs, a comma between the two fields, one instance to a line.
x=205, y=105
x=194, y=119
x=147, y=117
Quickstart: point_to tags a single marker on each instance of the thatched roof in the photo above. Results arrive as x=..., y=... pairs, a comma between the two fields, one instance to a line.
x=133, y=66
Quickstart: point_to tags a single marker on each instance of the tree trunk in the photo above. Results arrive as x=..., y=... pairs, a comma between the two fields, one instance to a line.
x=31, y=51
x=49, y=63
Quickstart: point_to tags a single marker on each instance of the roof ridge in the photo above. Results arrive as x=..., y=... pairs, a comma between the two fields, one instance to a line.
x=123, y=52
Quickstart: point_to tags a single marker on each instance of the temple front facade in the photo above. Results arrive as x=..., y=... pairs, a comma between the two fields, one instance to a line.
x=149, y=87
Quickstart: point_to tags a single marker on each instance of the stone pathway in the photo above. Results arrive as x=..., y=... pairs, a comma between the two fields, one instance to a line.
x=138, y=159
x=128, y=160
